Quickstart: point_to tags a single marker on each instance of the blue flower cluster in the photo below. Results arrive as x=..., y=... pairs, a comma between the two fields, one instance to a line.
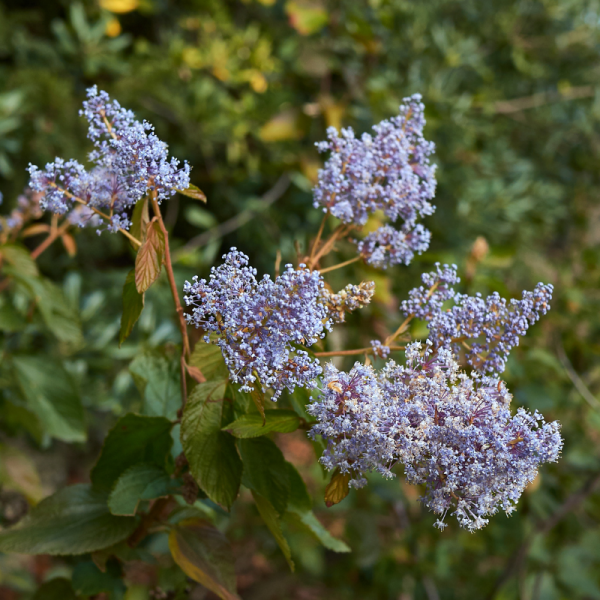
x=485, y=328
x=388, y=172
x=129, y=160
x=453, y=432
x=259, y=323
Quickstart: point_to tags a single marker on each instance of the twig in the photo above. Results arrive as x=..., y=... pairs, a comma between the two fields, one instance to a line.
x=340, y=265
x=505, y=107
x=236, y=222
x=50, y=239
x=185, y=351
x=353, y=352
x=574, y=377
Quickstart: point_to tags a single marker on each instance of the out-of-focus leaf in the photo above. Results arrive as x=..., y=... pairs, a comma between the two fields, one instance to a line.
x=306, y=16
x=337, y=489
x=10, y=319
x=55, y=589
x=300, y=509
x=134, y=439
x=273, y=522
x=193, y=191
x=143, y=481
x=58, y=314
x=204, y=554
x=89, y=580
x=52, y=396
x=133, y=304
x=209, y=359
x=251, y=425
x=265, y=471
x=157, y=377
x=284, y=126
x=19, y=258
x=148, y=260
x=211, y=453
x=18, y=472
x=75, y=520
x=119, y=6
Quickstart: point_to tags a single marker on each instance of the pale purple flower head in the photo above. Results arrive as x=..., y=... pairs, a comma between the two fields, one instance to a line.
x=129, y=161
x=260, y=323
x=389, y=171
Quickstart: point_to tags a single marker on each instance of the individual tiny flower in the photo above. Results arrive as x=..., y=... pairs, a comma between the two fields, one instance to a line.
x=379, y=349
x=351, y=298
x=486, y=329
x=129, y=161
x=260, y=323
x=389, y=171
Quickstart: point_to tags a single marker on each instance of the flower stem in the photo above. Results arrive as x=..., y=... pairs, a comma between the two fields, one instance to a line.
x=56, y=233
x=185, y=352
x=340, y=265
x=353, y=352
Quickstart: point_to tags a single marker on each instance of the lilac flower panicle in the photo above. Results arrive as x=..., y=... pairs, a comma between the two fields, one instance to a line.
x=258, y=323
x=452, y=432
x=389, y=171
x=487, y=328
x=129, y=161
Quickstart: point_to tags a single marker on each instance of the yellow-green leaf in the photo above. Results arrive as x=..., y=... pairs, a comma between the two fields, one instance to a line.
x=337, y=489
x=253, y=425
x=194, y=192
x=204, y=554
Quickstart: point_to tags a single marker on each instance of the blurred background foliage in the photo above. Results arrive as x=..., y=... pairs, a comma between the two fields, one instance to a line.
x=242, y=90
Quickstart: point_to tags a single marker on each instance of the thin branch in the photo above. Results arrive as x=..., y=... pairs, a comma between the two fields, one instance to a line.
x=340, y=265
x=239, y=220
x=50, y=239
x=353, y=352
x=574, y=377
x=185, y=351
x=505, y=107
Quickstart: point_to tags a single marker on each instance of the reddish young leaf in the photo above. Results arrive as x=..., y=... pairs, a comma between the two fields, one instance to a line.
x=149, y=257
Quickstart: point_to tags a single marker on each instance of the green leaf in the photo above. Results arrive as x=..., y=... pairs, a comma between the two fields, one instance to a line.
x=52, y=397
x=273, y=522
x=20, y=259
x=143, y=481
x=157, y=376
x=58, y=315
x=10, y=319
x=208, y=358
x=148, y=260
x=258, y=397
x=265, y=471
x=140, y=219
x=133, y=304
x=89, y=580
x=251, y=425
x=204, y=554
x=309, y=521
x=134, y=439
x=300, y=500
x=299, y=509
x=211, y=453
x=194, y=192
x=75, y=520
x=55, y=589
